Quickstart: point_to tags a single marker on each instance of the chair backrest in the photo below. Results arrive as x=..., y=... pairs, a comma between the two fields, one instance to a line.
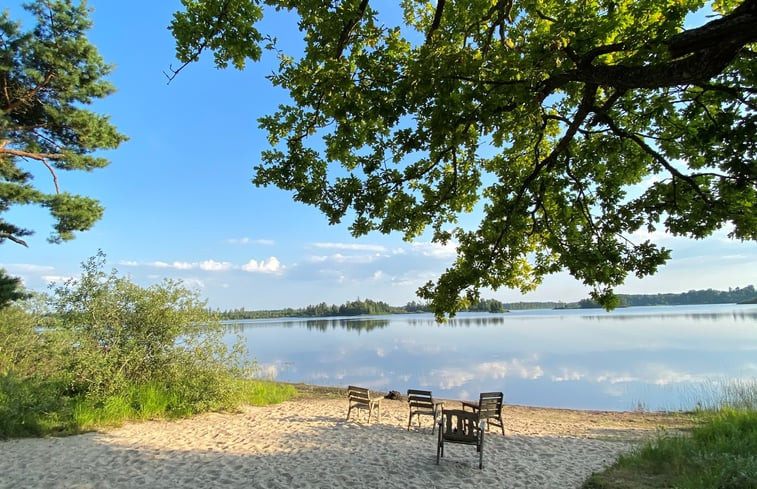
x=420, y=399
x=459, y=426
x=358, y=395
x=490, y=404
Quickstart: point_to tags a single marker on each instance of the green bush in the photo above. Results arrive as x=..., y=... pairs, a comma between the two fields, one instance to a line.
x=102, y=349
x=126, y=334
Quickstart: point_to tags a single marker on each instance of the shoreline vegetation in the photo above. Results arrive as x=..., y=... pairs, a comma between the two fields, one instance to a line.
x=717, y=451
x=368, y=307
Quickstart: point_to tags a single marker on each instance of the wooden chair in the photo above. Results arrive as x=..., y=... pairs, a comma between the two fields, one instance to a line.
x=463, y=427
x=421, y=403
x=360, y=398
x=489, y=408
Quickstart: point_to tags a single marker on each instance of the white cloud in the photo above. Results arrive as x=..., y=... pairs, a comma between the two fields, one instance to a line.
x=56, y=278
x=207, y=265
x=566, y=375
x=514, y=368
x=616, y=378
x=342, y=259
x=214, y=266
x=183, y=265
x=250, y=241
x=270, y=265
x=267, y=371
x=449, y=378
x=660, y=374
x=435, y=250
x=193, y=283
x=657, y=236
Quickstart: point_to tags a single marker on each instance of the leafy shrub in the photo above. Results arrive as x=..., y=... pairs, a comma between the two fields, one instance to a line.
x=125, y=334
x=103, y=349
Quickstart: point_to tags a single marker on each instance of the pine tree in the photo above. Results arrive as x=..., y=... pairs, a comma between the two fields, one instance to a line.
x=47, y=77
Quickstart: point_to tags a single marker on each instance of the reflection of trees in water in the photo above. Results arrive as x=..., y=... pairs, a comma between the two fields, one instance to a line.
x=695, y=316
x=352, y=324
x=348, y=324
x=458, y=321
x=369, y=324
x=236, y=327
x=366, y=324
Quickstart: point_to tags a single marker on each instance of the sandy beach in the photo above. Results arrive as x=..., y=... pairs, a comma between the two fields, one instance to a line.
x=307, y=442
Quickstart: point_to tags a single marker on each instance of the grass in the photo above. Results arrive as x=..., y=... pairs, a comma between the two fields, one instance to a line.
x=72, y=415
x=264, y=392
x=720, y=452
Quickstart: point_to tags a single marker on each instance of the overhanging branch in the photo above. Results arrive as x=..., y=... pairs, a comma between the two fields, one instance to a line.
x=437, y=19
x=43, y=157
x=736, y=29
x=697, y=56
x=14, y=239
x=348, y=28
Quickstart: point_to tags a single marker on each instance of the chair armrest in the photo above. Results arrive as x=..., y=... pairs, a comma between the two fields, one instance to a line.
x=471, y=404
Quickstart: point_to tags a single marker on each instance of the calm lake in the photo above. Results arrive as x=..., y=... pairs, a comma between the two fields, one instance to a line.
x=655, y=358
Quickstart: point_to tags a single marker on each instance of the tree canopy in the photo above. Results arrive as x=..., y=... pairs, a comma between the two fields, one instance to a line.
x=574, y=127
x=47, y=77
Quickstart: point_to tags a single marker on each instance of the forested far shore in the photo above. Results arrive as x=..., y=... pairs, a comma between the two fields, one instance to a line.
x=368, y=307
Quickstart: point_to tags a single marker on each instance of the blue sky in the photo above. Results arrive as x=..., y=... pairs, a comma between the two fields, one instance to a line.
x=179, y=202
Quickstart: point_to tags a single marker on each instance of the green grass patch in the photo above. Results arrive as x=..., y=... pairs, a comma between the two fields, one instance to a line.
x=720, y=452
x=150, y=401
x=29, y=409
x=263, y=392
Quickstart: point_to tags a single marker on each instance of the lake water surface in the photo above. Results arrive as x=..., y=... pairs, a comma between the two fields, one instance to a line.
x=656, y=358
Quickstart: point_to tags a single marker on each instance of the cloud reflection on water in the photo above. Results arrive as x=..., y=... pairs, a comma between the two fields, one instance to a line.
x=585, y=359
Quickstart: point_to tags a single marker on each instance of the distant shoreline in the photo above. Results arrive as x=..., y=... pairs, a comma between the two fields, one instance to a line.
x=368, y=307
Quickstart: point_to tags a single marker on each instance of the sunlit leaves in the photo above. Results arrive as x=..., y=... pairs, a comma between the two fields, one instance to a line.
x=224, y=26
x=571, y=125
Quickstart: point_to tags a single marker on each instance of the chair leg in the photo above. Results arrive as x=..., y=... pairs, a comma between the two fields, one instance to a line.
x=481, y=452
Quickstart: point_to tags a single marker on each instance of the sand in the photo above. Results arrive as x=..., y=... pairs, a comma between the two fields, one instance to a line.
x=307, y=442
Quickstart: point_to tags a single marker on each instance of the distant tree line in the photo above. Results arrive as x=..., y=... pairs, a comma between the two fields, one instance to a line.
x=736, y=296
x=357, y=307
x=369, y=307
